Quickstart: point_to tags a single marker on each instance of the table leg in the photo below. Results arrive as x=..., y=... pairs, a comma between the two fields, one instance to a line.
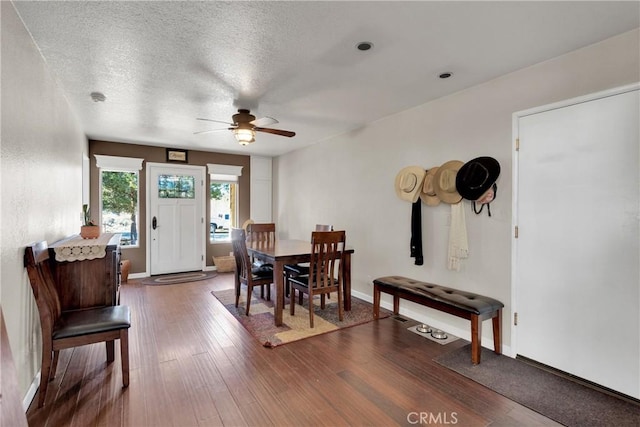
x=278, y=277
x=347, y=281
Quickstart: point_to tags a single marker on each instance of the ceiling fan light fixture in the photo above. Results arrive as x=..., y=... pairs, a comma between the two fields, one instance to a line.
x=244, y=136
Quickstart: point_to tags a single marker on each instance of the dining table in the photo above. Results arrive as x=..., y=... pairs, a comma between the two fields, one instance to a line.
x=281, y=252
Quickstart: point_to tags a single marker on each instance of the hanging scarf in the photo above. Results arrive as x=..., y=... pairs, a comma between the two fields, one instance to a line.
x=458, y=244
x=416, y=232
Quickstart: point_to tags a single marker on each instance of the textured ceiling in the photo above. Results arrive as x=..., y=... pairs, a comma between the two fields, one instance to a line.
x=161, y=65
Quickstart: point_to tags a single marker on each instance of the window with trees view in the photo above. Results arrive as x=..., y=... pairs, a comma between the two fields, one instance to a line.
x=119, y=205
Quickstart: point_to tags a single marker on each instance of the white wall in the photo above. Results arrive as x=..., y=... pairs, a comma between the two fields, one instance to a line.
x=358, y=195
x=41, y=172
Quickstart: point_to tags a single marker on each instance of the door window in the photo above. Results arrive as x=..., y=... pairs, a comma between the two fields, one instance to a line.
x=176, y=187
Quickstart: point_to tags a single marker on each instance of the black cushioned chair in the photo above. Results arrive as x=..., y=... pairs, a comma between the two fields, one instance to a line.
x=67, y=329
x=246, y=273
x=325, y=271
x=295, y=270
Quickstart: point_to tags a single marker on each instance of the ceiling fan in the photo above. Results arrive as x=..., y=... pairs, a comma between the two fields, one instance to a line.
x=245, y=125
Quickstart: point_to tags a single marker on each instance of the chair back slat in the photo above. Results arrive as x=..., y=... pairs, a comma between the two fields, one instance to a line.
x=327, y=254
x=264, y=233
x=36, y=260
x=243, y=264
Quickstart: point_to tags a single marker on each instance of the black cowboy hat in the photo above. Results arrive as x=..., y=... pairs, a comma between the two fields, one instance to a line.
x=476, y=177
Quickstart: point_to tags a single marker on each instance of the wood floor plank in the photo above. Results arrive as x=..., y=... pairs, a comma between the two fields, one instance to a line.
x=193, y=364
x=91, y=390
x=133, y=404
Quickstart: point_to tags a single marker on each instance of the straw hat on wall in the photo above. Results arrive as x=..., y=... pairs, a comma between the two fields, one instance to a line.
x=444, y=182
x=428, y=194
x=409, y=183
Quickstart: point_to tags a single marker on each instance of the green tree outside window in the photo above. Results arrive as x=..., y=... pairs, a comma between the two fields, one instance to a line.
x=120, y=200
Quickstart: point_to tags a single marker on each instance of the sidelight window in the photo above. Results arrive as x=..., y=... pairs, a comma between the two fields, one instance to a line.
x=223, y=201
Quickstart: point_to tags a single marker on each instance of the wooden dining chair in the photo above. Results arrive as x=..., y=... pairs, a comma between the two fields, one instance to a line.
x=261, y=234
x=246, y=273
x=302, y=269
x=67, y=329
x=325, y=271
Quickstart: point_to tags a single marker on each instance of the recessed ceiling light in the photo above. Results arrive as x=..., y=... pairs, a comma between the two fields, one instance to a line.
x=445, y=75
x=364, y=46
x=98, y=97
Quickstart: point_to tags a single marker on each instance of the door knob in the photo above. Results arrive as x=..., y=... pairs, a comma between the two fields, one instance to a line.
x=154, y=223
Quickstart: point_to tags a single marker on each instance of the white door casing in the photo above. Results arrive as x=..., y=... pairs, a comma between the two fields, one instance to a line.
x=576, y=270
x=176, y=243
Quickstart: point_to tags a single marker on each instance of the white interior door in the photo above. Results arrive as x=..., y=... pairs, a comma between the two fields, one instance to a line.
x=175, y=218
x=577, y=275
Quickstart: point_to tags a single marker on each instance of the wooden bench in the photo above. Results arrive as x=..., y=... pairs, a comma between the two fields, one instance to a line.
x=467, y=305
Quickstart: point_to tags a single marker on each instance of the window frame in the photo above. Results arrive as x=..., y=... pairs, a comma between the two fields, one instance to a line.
x=224, y=174
x=119, y=164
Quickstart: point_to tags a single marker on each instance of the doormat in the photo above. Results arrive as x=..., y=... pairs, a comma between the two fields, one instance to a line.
x=174, y=279
x=260, y=321
x=556, y=397
x=428, y=335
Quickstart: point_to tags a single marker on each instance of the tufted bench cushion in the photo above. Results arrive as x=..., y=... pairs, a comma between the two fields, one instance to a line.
x=466, y=305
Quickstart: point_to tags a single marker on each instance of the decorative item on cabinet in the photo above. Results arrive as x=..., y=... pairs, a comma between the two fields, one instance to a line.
x=89, y=229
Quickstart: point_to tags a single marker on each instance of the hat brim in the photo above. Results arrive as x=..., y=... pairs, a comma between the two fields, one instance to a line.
x=429, y=199
x=450, y=197
x=473, y=185
x=413, y=195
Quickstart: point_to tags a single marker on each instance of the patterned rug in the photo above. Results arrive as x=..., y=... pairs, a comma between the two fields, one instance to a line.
x=174, y=279
x=260, y=322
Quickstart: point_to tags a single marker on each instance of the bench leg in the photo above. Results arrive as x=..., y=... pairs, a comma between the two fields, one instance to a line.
x=497, y=333
x=376, y=301
x=396, y=304
x=476, y=336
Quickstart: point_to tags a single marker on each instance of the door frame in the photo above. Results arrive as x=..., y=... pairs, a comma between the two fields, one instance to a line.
x=202, y=169
x=514, y=183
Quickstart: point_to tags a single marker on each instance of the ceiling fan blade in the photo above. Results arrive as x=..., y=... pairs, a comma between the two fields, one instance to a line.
x=264, y=121
x=276, y=131
x=216, y=121
x=212, y=130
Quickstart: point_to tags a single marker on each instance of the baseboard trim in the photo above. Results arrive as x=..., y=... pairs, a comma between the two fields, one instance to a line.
x=31, y=392
x=144, y=274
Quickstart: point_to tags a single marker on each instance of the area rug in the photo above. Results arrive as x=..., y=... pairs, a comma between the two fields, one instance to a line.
x=549, y=394
x=260, y=322
x=174, y=279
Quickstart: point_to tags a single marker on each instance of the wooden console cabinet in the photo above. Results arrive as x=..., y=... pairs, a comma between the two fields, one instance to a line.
x=88, y=282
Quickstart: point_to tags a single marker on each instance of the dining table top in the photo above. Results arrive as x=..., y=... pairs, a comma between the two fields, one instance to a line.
x=284, y=248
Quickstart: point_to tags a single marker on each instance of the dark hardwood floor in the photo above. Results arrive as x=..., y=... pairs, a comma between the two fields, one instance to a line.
x=193, y=364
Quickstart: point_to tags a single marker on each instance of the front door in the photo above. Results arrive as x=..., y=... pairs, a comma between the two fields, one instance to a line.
x=175, y=218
